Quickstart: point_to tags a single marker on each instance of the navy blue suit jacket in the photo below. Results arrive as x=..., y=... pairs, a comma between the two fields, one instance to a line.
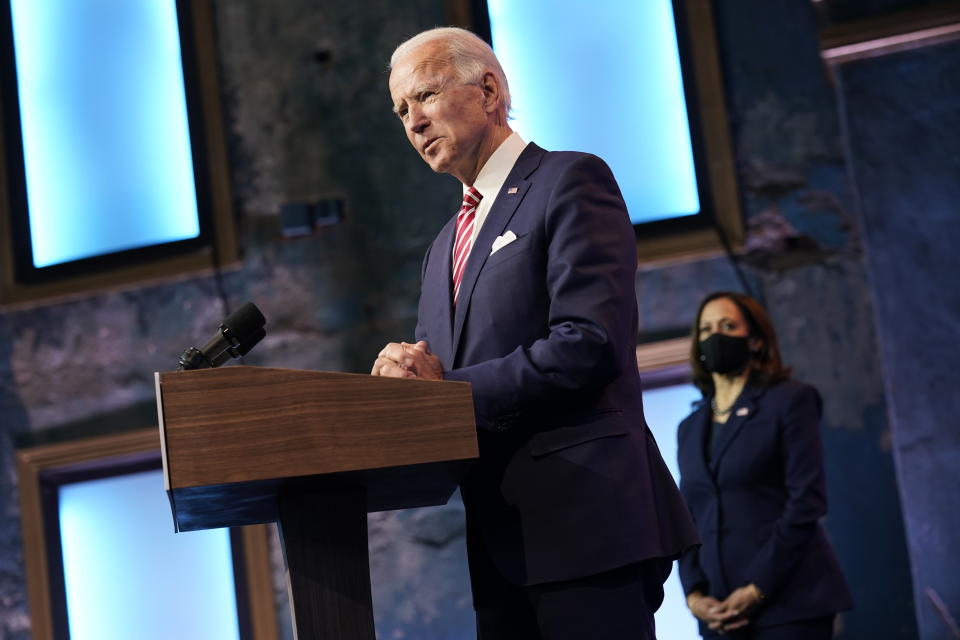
x=757, y=504
x=569, y=482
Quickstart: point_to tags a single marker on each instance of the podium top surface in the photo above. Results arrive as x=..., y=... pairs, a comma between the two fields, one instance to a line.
x=245, y=424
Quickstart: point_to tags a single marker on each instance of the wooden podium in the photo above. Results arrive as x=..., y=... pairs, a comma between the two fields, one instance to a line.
x=315, y=452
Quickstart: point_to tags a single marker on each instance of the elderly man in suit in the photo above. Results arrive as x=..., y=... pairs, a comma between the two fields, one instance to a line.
x=527, y=294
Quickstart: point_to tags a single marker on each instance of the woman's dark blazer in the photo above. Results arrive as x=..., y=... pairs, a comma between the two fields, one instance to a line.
x=757, y=504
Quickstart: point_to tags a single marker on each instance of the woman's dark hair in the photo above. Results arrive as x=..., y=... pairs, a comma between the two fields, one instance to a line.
x=766, y=367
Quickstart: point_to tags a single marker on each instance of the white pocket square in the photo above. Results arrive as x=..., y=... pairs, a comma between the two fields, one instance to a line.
x=502, y=241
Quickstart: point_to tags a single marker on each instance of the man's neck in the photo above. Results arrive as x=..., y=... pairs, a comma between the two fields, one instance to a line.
x=490, y=144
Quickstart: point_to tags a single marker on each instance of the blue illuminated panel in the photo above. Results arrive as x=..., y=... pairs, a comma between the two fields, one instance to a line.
x=603, y=77
x=103, y=116
x=664, y=409
x=129, y=576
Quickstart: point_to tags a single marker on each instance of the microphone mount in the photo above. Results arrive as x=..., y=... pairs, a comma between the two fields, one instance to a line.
x=238, y=333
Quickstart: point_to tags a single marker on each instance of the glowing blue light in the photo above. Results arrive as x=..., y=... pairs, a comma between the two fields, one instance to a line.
x=603, y=77
x=103, y=116
x=128, y=575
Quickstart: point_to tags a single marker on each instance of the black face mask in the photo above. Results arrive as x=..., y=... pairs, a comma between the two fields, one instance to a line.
x=724, y=354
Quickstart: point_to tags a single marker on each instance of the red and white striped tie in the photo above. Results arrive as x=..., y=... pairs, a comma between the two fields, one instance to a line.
x=464, y=238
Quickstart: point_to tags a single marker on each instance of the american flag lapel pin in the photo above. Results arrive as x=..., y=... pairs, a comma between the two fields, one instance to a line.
x=511, y=191
x=742, y=411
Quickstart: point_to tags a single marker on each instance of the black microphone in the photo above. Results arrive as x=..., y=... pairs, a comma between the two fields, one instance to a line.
x=238, y=333
x=241, y=350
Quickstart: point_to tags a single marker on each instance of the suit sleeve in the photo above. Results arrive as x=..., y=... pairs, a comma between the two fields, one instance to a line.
x=692, y=576
x=590, y=268
x=805, y=484
x=419, y=333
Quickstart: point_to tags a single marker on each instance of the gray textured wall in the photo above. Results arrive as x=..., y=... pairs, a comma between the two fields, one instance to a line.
x=903, y=118
x=308, y=117
x=790, y=153
x=804, y=255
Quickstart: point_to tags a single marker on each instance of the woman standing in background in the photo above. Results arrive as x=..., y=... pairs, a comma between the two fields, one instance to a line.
x=751, y=471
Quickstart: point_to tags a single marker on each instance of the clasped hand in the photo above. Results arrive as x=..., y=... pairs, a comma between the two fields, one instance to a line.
x=404, y=360
x=730, y=614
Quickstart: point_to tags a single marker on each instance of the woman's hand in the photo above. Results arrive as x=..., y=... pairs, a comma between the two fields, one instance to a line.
x=703, y=607
x=734, y=612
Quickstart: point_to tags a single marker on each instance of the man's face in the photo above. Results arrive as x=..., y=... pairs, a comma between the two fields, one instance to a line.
x=445, y=120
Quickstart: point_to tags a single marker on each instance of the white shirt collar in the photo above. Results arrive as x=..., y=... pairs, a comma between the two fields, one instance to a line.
x=497, y=167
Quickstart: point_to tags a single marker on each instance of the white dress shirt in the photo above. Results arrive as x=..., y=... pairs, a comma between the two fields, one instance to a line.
x=492, y=176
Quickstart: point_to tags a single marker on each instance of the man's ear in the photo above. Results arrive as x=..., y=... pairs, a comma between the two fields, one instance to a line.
x=491, y=92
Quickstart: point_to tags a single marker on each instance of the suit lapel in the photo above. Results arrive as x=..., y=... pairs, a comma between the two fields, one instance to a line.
x=742, y=413
x=505, y=205
x=437, y=284
x=698, y=434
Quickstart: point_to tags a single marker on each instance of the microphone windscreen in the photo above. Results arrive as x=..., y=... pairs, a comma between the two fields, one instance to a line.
x=250, y=342
x=245, y=321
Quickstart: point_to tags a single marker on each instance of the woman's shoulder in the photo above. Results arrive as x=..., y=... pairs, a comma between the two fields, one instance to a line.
x=791, y=392
x=695, y=408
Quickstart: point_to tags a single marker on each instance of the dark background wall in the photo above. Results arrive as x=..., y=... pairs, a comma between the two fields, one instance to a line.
x=308, y=114
x=903, y=112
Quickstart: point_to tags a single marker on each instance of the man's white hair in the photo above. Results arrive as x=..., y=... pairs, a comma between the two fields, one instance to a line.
x=467, y=53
